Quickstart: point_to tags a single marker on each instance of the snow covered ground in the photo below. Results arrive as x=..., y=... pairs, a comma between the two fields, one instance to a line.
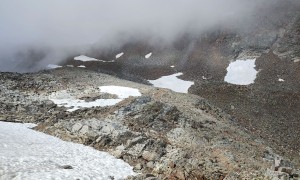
x=26, y=154
x=172, y=82
x=63, y=98
x=241, y=72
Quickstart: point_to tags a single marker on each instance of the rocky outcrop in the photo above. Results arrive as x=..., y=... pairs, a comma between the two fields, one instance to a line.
x=158, y=139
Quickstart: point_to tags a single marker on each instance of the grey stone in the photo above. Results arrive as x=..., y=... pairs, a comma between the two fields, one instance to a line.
x=136, y=150
x=149, y=156
x=150, y=164
x=84, y=129
x=138, y=166
x=285, y=169
x=76, y=127
x=66, y=167
x=276, y=175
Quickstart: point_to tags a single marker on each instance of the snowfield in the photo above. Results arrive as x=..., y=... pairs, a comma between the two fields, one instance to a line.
x=241, y=72
x=172, y=82
x=26, y=154
x=63, y=98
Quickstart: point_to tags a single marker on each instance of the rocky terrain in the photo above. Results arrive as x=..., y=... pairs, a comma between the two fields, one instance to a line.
x=217, y=131
x=267, y=108
x=162, y=134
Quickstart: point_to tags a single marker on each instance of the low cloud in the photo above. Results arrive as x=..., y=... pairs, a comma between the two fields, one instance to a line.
x=34, y=33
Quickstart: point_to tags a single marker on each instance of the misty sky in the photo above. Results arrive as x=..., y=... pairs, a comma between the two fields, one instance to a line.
x=61, y=27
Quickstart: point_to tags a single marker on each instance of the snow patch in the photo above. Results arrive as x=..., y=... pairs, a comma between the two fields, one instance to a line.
x=70, y=65
x=148, y=55
x=281, y=80
x=172, y=66
x=63, y=98
x=28, y=154
x=172, y=82
x=85, y=58
x=53, y=66
x=74, y=104
x=81, y=66
x=119, y=55
x=241, y=72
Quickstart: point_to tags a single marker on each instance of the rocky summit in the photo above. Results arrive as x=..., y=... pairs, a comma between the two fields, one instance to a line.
x=162, y=134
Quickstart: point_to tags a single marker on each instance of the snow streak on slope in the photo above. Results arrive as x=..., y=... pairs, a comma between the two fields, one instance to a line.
x=30, y=155
x=172, y=82
x=119, y=55
x=148, y=55
x=85, y=58
x=53, y=66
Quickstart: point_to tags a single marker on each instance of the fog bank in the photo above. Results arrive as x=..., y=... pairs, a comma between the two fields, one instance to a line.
x=34, y=33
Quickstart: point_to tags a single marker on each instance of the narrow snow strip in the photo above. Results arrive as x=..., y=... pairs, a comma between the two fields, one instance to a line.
x=63, y=98
x=241, y=72
x=121, y=92
x=172, y=82
x=82, y=66
x=148, y=55
x=53, y=66
x=172, y=66
x=70, y=65
x=119, y=55
x=85, y=58
x=28, y=154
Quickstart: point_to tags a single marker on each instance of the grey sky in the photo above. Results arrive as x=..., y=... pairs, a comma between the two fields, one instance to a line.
x=59, y=27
